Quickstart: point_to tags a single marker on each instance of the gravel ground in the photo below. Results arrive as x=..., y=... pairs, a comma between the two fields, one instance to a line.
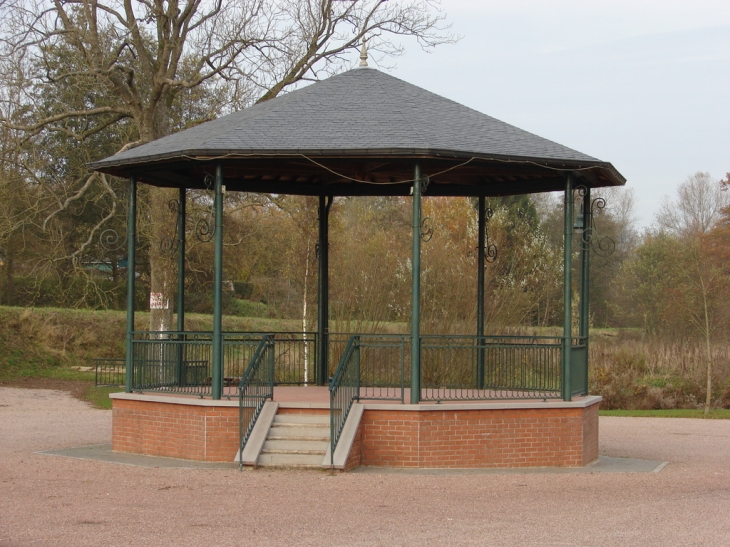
x=58, y=501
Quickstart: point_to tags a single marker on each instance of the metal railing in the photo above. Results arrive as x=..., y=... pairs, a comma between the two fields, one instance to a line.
x=514, y=367
x=295, y=355
x=336, y=344
x=385, y=362
x=181, y=362
x=174, y=362
x=384, y=366
x=295, y=358
x=453, y=367
x=579, y=366
x=109, y=372
x=344, y=390
x=255, y=387
x=239, y=349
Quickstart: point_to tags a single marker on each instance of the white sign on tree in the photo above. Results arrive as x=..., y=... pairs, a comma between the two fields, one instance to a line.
x=158, y=301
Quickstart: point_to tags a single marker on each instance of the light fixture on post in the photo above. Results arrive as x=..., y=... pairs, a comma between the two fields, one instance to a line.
x=579, y=223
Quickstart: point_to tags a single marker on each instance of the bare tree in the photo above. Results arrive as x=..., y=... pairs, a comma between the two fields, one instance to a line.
x=697, y=210
x=145, y=57
x=697, y=207
x=702, y=293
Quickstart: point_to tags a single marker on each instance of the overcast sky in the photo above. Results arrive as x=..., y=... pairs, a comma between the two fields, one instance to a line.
x=644, y=84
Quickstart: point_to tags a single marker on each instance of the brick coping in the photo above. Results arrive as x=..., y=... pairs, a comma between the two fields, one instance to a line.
x=174, y=399
x=579, y=402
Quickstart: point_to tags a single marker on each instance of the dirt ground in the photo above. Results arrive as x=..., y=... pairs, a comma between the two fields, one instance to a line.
x=58, y=501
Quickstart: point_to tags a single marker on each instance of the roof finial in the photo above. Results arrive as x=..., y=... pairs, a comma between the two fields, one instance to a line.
x=364, y=53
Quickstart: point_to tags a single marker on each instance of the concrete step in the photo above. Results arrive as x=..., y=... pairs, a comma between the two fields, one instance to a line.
x=299, y=438
x=296, y=440
x=302, y=446
x=298, y=452
x=321, y=419
x=300, y=425
x=289, y=430
x=290, y=460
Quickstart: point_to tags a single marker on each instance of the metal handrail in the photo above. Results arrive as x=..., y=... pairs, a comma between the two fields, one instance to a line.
x=255, y=387
x=344, y=390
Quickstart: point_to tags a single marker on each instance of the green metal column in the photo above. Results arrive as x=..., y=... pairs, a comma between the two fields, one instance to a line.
x=480, y=294
x=416, y=290
x=567, y=286
x=217, y=380
x=131, y=244
x=181, y=261
x=585, y=279
x=322, y=371
x=180, y=372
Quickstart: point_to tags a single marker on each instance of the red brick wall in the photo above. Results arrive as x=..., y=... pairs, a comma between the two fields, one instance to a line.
x=562, y=437
x=354, y=458
x=590, y=434
x=206, y=433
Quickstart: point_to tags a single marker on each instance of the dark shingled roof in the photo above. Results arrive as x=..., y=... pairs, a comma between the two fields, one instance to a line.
x=364, y=115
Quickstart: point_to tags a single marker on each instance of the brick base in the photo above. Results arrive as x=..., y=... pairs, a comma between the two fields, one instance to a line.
x=175, y=427
x=477, y=438
x=428, y=436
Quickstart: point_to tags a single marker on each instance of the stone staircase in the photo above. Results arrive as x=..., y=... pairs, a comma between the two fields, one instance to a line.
x=296, y=440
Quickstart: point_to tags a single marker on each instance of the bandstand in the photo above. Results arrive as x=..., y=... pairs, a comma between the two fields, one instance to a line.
x=415, y=400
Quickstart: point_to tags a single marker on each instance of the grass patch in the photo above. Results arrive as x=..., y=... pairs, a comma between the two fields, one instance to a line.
x=99, y=396
x=716, y=413
x=17, y=366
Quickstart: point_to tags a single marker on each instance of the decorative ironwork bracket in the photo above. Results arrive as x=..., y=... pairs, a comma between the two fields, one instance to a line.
x=203, y=230
x=169, y=245
x=490, y=249
x=427, y=229
x=425, y=181
x=427, y=225
x=590, y=239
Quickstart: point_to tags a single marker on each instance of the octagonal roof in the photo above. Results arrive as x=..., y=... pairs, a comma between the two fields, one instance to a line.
x=360, y=133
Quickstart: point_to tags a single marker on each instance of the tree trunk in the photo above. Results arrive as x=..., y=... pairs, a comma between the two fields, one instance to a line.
x=304, y=310
x=163, y=273
x=162, y=268
x=708, y=348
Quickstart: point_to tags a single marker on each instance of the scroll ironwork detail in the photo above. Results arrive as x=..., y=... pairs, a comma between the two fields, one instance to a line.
x=490, y=249
x=170, y=244
x=591, y=239
x=427, y=229
x=425, y=181
x=204, y=228
x=110, y=240
x=602, y=246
